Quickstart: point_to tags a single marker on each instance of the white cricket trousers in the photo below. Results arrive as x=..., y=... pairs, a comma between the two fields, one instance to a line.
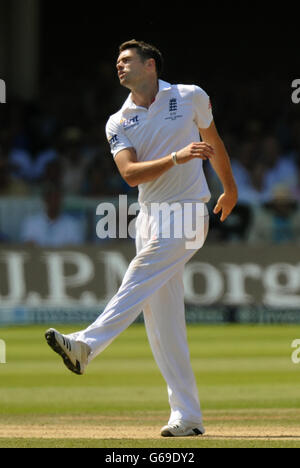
x=153, y=284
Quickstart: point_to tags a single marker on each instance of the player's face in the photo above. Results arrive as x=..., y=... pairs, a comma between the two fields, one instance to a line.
x=131, y=69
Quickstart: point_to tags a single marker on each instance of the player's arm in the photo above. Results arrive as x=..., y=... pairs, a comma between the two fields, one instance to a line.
x=222, y=166
x=135, y=172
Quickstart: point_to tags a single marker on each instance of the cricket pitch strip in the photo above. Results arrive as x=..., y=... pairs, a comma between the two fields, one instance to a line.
x=238, y=424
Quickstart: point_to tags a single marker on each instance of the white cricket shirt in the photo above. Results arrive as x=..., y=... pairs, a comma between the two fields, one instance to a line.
x=171, y=123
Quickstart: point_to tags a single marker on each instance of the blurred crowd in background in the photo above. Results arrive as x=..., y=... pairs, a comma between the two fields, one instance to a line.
x=55, y=148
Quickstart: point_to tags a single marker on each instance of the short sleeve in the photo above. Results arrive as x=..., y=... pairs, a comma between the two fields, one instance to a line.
x=202, y=108
x=116, y=138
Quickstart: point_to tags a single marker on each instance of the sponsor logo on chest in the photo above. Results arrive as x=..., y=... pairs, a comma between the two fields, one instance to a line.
x=129, y=123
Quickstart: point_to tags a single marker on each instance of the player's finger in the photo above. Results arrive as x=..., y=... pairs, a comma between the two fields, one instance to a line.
x=223, y=217
x=209, y=147
x=209, y=151
x=204, y=156
x=203, y=145
x=202, y=153
x=217, y=208
x=225, y=214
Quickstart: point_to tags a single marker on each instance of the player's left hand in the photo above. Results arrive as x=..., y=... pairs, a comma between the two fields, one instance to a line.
x=226, y=204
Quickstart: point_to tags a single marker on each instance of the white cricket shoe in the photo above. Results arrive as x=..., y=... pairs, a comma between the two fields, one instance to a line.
x=181, y=429
x=74, y=353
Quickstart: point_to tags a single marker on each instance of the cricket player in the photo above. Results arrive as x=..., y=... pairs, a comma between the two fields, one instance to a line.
x=156, y=145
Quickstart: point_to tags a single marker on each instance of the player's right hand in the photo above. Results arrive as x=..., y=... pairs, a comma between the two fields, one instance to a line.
x=194, y=150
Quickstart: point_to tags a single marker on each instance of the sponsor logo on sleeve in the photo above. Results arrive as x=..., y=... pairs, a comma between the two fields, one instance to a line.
x=113, y=141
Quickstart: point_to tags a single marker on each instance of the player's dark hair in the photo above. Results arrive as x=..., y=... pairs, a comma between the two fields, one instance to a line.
x=146, y=51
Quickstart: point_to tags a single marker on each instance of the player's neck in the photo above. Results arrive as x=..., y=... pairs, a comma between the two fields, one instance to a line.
x=144, y=95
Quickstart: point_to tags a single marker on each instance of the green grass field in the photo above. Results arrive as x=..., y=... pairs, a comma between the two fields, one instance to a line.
x=248, y=386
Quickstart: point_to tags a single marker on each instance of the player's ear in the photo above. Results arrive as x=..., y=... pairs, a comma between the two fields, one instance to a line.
x=150, y=63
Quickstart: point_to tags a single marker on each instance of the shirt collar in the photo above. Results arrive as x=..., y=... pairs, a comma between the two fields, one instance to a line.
x=162, y=87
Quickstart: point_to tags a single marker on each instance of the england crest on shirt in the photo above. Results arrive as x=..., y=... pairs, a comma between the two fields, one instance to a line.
x=173, y=108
